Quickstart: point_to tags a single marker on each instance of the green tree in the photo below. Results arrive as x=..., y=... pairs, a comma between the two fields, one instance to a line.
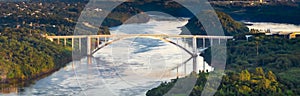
x=245, y=75
x=271, y=76
x=245, y=89
x=260, y=72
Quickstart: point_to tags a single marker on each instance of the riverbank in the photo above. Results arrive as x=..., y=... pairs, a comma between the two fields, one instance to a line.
x=19, y=82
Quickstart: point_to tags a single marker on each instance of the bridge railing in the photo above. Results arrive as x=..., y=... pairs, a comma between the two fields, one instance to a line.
x=99, y=38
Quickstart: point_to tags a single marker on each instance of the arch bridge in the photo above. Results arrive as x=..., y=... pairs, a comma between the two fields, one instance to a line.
x=95, y=43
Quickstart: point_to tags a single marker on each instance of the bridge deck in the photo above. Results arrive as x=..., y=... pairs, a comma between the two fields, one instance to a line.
x=143, y=35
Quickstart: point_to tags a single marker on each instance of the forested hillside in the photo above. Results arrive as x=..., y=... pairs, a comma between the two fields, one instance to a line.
x=26, y=55
x=229, y=25
x=245, y=83
x=263, y=65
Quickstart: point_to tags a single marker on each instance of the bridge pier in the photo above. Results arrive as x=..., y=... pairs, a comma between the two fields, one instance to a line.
x=88, y=47
x=79, y=41
x=195, y=54
x=58, y=42
x=89, y=59
x=211, y=41
x=65, y=41
x=185, y=69
x=72, y=44
x=204, y=65
x=98, y=41
x=203, y=42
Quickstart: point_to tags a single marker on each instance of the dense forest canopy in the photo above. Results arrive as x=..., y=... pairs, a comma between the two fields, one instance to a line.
x=25, y=54
x=229, y=25
x=244, y=83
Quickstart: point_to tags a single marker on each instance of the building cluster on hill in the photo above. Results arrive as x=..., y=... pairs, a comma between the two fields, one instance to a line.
x=285, y=34
x=250, y=2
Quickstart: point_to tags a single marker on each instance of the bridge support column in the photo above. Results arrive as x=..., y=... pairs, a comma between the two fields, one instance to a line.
x=203, y=42
x=88, y=50
x=65, y=41
x=177, y=74
x=204, y=65
x=211, y=41
x=88, y=47
x=89, y=59
x=58, y=42
x=195, y=55
x=98, y=42
x=184, y=69
x=184, y=41
x=72, y=44
x=79, y=44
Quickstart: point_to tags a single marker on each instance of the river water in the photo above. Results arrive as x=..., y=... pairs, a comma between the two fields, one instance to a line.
x=129, y=67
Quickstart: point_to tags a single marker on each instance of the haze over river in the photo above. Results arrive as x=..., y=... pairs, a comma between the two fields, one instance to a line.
x=128, y=67
x=274, y=27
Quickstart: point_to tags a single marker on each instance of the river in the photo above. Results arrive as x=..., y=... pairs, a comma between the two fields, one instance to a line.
x=129, y=67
